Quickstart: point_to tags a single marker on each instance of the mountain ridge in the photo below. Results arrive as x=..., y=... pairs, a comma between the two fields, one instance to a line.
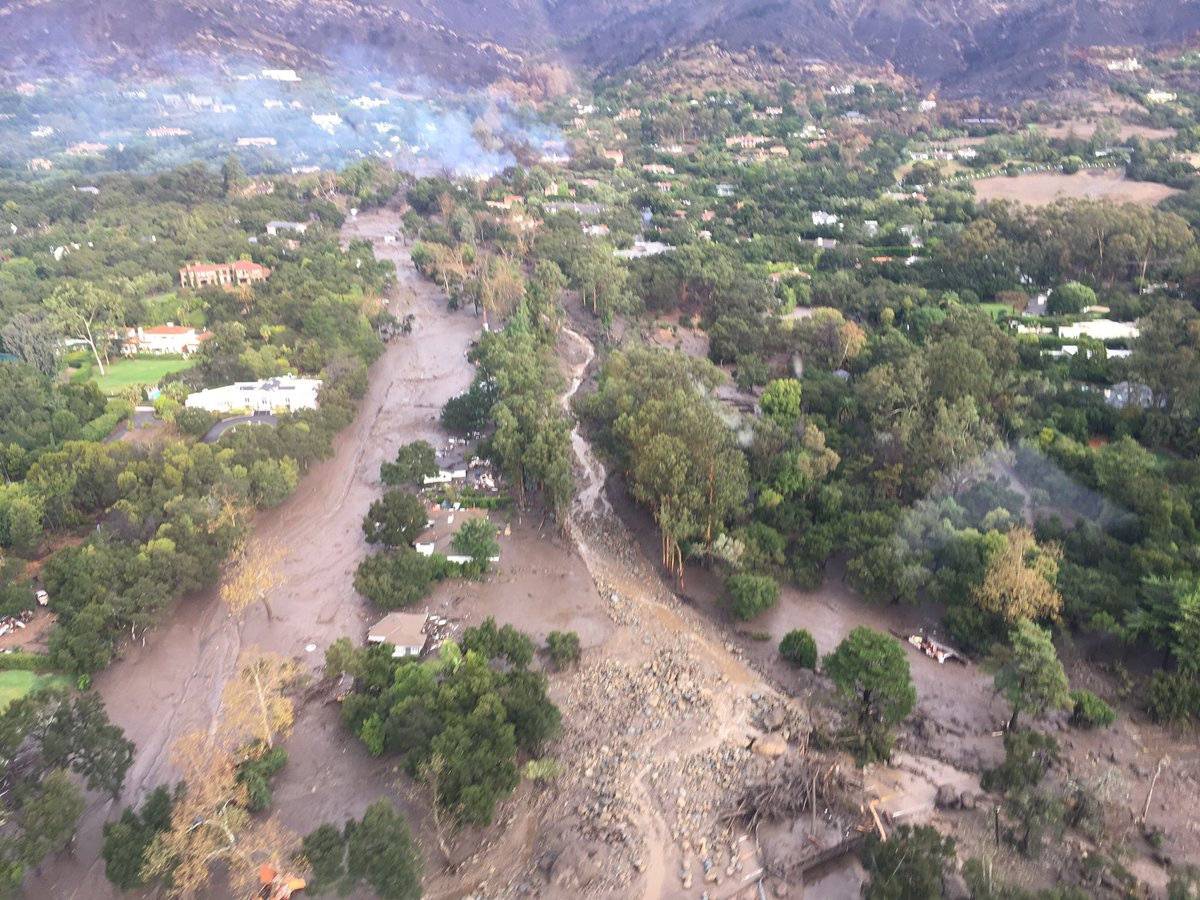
x=962, y=47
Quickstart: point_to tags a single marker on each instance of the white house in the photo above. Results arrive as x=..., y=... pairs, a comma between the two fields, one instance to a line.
x=274, y=227
x=1100, y=330
x=280, y=75
x=167, y=338
x=286, y=393
x=404, y=631
x=821, y=219
x=642, y=249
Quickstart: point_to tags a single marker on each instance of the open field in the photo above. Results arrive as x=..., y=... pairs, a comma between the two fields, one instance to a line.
x=1043, y=188
x=124, y=373
x=17, y=683
x=996, y=310
x=1082, y=128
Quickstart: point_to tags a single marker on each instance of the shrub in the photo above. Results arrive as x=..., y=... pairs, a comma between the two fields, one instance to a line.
x=1090, y=711
x=748, y=595
x=909, y=865
x=799, y=649
x=256, y=772
x=1172, y=697
x=563, y=648
x=30, y=662
x=195, y=422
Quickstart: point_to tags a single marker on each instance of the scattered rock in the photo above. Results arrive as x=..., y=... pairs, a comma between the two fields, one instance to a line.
x=769, y=745
x=772, y=718
x=947, y=797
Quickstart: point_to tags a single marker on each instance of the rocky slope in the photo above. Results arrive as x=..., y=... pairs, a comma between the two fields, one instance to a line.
x=986, y=47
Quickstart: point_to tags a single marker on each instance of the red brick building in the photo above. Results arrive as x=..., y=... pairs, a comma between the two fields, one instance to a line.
x=224, y=275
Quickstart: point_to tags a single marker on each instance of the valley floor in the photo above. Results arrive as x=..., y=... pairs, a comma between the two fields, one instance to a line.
x=658, y=719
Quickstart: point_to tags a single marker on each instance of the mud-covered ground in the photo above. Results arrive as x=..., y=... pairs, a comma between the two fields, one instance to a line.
x=172, y=684
x=658, y=719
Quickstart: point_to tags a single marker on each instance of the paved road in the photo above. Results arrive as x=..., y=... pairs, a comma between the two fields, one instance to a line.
x=258, y=418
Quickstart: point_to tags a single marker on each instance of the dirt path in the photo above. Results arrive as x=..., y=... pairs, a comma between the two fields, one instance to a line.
x=173, y=683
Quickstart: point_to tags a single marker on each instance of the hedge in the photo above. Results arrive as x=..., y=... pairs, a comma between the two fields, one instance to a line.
x=29, y=662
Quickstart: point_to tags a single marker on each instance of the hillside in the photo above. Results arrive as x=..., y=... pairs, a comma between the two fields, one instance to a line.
x=981, y=47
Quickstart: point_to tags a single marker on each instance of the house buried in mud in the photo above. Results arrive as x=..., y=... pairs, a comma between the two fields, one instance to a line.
x=404, y=631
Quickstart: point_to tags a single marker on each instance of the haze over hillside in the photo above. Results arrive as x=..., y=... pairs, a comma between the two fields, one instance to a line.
x=984, y=47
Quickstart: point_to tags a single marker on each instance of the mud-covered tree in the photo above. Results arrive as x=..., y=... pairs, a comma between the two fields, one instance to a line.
x=211, y=825
x=254, y=704
x=1030, y=675
x=909, y=865
x=395, y=519
x=871, y=673
x=254, y=574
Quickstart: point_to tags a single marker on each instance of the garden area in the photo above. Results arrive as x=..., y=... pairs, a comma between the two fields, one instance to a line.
x=17, y=683
x=138, y=372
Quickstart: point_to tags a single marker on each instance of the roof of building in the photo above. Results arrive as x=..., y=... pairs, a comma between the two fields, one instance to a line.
x=399, y=629
x=241, y=265
x=168, y=329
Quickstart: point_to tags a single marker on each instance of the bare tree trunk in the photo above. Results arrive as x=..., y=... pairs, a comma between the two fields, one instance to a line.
x=87, y=330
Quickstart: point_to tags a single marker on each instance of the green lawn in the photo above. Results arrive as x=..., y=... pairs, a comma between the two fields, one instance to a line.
x=123, y=373
x=17, y=683
x=997, y=309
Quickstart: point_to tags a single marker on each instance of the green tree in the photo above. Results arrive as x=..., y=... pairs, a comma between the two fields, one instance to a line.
x=380, y=852
x=1070, y=298
x=909, y=865
x=1090, y=711
x=233, y=176
x=325, y=850
x=799, y=649
x=87, y=312
x=1030, y=675
x=126, y=840
x=748, y=595
x=395, y=520
x=413, y=462
x=477, y=539
x=871, y=673
x=398, y=578
x=781, y=402
x=47, y=816
x=563, y=648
